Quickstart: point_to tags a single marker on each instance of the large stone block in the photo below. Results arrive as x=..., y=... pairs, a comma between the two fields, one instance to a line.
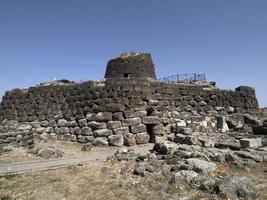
x=121, y=130
x=102, y=133
x=118, y=116
x=101, y=142
x=97, y=125
x=251, y=142
x=129, y=139
x=103, y=116
x=142, y=138
x=138, y=129
x=115, y=107
x=132, y=121
x=116, y=140
x=151, y=120
x=114, y=124
x=87, y=131
x=62, y=123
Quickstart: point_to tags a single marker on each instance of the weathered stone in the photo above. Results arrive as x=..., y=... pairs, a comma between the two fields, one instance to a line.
x=207, y=142
x=151, y=120
x=129, y=139
x=64, y=130
x=103, y=116
x=102, y=133
x=129, y=114
x=201, y=165
x=184, y=176
x=116, y=140
x=114, y=124
x=77, y=130
x=142, y=138
x=131, y=122
x=251, y=142
x=83, y=123
x=24, y=127
x=81, y=139
x=87, y=131
x=115, y=107
x=118, y=116
x=186, y=131
x=101, y=142
x=165, y=147
x=97, y=125
x=158, y=130
x=138, y=129
x=234, y=187
x=40, y=130
x=121, y=130
x=62, y=123
x=246, y=154
x=90, y=117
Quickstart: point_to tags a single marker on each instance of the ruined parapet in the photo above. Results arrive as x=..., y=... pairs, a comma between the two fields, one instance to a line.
x=131, y=65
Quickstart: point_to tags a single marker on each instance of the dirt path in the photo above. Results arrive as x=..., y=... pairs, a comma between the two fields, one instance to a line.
x=95, y=156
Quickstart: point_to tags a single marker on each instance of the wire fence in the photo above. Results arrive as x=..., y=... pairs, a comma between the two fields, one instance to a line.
x=184, y=78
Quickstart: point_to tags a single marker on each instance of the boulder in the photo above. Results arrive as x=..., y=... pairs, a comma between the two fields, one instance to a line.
x=158, y=129
x=251, y=142
x=121, y=130
x=186, y=131
x=165, y=147
x=234, y=187
x=142, y=138
x=201, y=165
x=184, y=176
x=116, y=140
x=129, y=139
x=101, y=142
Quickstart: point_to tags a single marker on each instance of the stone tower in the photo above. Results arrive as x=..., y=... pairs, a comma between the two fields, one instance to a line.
x=131, y=65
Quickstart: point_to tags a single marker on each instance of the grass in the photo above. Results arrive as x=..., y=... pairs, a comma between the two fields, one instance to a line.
x=5, y=197
x=8, y=176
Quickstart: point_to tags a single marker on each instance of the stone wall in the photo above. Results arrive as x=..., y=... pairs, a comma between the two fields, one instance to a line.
x=121, y=111
x=18, y=138
x=131, y=65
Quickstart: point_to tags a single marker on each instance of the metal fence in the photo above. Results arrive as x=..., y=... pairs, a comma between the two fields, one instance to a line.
x=184, y=78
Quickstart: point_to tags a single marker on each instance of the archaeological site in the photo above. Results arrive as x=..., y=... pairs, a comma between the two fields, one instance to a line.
x=194, y=127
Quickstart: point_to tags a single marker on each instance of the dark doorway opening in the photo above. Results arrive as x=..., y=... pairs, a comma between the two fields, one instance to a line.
x=126, y=75
x=151, y=133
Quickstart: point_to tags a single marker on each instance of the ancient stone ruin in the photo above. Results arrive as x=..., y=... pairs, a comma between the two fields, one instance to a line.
x=129, y=107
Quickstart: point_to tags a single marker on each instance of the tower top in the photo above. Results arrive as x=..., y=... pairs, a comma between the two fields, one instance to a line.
x=131, y=65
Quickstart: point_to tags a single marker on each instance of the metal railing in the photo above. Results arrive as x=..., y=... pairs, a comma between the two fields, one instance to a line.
x=184, y=78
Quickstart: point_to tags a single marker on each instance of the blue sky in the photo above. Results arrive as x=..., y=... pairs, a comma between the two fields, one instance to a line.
x=45, y=39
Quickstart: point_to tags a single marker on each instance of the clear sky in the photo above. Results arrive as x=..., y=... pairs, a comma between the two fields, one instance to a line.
x=73, y=39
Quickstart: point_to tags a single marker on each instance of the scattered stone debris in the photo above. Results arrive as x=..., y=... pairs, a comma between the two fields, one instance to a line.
x=48, y=152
